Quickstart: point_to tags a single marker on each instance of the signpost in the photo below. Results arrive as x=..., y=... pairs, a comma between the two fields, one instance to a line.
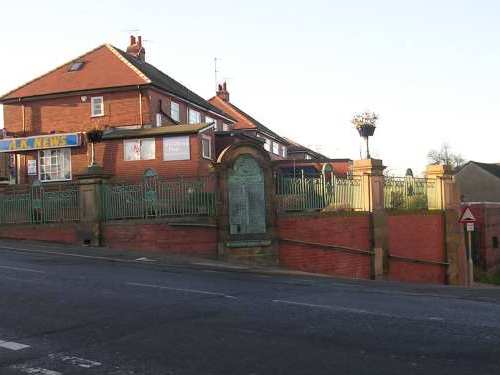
x=469, y=220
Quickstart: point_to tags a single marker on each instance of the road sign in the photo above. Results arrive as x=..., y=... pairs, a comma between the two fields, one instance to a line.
x=470, y=227
x=467, y=216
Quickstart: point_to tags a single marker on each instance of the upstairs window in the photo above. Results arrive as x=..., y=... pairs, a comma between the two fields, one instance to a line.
x=174, y=111
x=139, y=149
x=276, y=148
x=226, y=127
x=308, y=157
x=194, y=117
x=210, y=120
x=283, y=151
x=97, y=106
x=267, y=145
x=206, y=147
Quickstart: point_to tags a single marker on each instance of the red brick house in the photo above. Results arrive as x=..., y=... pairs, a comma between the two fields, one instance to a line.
x=290, y=156
x=148, y=119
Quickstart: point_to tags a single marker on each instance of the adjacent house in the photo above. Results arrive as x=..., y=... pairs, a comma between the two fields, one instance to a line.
x=479, y=182
x=289, y=156
x=479, y=185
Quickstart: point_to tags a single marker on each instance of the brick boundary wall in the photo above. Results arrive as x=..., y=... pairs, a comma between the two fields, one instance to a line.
x=172, y=238
x=416, y=247
x=62, y=233
x=326, y=243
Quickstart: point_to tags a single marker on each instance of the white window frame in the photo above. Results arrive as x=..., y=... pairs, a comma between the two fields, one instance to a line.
x=276, y=148
x=210, y=120
x=140, y=140
x=283, y=151
x=225, y=127
x=209, y=140
x=308, y=157
x=40, y=164
x=267, y=144
x=92, y=103
x=175, y=111
x=197, y=115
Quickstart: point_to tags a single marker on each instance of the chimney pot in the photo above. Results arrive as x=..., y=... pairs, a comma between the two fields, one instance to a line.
x=132, y=40
x=222, y=92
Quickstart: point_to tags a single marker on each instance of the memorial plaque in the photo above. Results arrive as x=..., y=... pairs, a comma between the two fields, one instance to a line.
x=247, y=203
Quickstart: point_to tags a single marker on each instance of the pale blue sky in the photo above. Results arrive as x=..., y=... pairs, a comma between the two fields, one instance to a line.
x=430, y=69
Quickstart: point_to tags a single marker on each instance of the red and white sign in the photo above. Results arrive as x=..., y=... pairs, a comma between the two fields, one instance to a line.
x=467, y=216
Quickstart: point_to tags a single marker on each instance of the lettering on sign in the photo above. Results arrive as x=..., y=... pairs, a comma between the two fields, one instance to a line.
x=40, y=142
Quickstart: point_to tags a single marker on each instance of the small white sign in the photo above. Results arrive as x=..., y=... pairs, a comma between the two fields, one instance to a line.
x=470, y=227
x=31, y=167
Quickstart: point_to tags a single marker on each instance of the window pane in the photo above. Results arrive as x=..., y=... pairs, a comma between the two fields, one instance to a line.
x=174, y=111
x=97, y=106
x=206, y=146
x=176, y=148
x=55, y=164
x=148, y=149
x=194, y=117
x=132, y=149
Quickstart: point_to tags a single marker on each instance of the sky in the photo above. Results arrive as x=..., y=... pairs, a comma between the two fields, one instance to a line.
x=429, y=69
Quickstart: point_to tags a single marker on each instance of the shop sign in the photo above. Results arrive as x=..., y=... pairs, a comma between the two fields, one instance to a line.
x=40, y=142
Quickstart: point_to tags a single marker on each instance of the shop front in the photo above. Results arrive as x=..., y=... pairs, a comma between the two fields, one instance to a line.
x=45, y=158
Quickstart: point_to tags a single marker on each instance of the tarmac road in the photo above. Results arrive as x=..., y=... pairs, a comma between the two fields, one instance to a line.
x=67, y=315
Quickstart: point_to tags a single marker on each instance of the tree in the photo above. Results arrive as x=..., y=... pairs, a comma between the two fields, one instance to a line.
x=446, y=157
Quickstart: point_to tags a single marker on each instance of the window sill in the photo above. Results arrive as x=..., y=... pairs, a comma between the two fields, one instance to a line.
x=93, y=116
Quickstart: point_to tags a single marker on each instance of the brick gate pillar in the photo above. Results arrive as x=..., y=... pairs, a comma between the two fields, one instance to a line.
x=370, y=172
x=443, y=194
x=90, y=183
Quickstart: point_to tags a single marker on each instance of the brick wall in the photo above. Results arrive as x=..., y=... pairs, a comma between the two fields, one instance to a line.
x=417, y=236
x=63, y=233
x=486, y=228
x=70, y=114
x=162, y=237
x=351, y=231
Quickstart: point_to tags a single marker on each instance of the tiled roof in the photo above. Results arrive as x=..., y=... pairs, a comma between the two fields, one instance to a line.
x=106, y=67
x=102, y=69
x=165, y=82
x=295, y=147
x=492, y=168
x=244, y=120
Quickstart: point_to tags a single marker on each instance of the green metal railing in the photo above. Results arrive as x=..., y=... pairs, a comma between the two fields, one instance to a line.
x=38, y=203
x=154, y=198
x=409, y=193
x=318, y=192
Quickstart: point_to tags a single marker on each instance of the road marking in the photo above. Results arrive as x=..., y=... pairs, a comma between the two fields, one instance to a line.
x=76, y=361
x=181, y=290
x=21, y=269
x=12, y=345
x=35, y=370
x=337, y=308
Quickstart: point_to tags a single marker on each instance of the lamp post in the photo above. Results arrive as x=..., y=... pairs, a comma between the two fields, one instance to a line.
x=365, y=124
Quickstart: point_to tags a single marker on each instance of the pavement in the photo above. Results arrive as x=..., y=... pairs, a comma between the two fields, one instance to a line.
x=78, y=310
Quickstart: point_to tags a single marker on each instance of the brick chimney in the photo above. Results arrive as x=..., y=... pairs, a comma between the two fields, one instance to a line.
x=136, y=49
x=223, y=93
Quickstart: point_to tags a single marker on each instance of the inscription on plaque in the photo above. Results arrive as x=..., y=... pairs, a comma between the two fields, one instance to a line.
x=247, y=203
